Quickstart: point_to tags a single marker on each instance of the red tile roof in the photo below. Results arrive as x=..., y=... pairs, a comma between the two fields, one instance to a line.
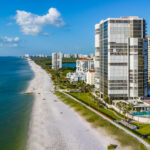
x=84, y=59
x=91, y=70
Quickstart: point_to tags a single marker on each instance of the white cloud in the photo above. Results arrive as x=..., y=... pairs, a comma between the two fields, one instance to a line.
x=13, y=45
x=9, y=41
x=32, y=24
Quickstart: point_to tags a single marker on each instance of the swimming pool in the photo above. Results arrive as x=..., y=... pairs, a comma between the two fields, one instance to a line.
x=147, y=113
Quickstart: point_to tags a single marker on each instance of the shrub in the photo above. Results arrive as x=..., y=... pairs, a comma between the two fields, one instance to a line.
x=111, y=147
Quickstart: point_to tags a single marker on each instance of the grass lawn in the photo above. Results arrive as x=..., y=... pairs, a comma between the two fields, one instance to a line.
x=98, y=122
x=143, y=128
x=87, y=99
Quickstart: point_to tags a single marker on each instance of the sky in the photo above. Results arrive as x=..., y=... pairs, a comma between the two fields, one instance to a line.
x=44, y=26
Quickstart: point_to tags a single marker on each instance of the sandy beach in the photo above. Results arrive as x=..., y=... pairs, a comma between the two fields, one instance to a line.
x=54, y=125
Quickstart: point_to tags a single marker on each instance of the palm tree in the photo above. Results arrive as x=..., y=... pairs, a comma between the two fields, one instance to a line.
x=119, y=106
x=144, y=113
x=124, y=107
x=138, y=109
x=106, y=99
x=129, y=108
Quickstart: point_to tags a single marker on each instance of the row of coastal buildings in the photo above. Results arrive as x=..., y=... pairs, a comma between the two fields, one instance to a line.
x=84, y=68
x=75, y=55
x=121, y=65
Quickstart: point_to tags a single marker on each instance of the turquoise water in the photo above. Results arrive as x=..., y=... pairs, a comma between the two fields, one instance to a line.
x=141, y=113
x=15, y=107
x=69, y=65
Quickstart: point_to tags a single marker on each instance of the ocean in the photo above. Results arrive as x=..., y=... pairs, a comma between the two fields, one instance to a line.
x=15, y=106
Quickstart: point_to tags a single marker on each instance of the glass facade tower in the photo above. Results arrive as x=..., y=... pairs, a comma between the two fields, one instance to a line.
x=148, y=38
x=121, y=58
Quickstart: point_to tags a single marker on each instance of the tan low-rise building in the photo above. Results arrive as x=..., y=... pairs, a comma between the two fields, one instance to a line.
x=90, y=75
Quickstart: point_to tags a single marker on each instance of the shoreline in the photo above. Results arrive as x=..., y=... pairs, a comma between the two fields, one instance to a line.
x=51, y=121
x=33, y=100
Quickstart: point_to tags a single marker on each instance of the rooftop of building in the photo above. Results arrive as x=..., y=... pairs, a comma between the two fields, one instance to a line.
x=56, y=52
x=91, y=70
x=84, y=59
x=121, y=18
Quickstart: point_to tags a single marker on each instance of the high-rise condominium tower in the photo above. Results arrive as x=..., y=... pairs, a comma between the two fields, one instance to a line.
x=56, y=60
x=148, y=38
x=121, y=58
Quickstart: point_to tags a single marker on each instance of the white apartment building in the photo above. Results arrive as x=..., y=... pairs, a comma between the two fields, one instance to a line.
x=82, y=56
x=76, y=76
x=84, y=64
x=75, y=55
x=56, y=61
x=42, y=55
x=90, y=77
x=67, y=56
x=82, y=67
x=91, y=55
x=121, y=58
